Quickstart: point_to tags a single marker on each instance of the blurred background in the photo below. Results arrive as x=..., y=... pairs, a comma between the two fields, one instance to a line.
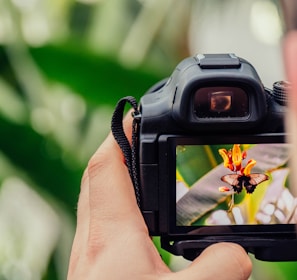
x=63, y=66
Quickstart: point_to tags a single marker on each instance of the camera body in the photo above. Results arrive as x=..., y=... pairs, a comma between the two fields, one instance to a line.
x=211, y=148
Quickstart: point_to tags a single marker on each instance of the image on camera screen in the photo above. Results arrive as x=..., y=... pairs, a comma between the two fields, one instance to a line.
x=234, y=184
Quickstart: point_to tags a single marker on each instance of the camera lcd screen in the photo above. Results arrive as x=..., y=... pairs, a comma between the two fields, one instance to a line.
x=233, y=184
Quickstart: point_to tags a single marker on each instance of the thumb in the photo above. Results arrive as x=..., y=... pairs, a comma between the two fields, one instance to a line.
x=219, y=261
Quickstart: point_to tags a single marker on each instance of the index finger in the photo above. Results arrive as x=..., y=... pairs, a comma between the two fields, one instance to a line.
x=111, y=194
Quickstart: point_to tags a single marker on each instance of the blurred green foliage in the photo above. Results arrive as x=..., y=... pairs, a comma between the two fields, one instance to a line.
x=63, y=66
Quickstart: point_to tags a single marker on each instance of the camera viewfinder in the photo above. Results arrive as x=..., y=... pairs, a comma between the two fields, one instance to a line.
x=221, y=102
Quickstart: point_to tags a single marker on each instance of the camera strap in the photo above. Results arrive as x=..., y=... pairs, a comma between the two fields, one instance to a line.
x=129, y=151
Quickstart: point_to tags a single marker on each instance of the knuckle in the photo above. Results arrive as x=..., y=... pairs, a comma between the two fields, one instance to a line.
x=98, y=162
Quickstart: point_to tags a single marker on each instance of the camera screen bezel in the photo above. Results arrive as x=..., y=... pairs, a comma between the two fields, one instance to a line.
x=168, y=169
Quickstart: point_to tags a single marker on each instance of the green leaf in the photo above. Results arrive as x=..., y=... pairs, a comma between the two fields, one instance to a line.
x=98, y=79
x=26, y=149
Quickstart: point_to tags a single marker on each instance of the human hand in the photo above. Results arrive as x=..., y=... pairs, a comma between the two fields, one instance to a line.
x=112, y=240
x=290, y=56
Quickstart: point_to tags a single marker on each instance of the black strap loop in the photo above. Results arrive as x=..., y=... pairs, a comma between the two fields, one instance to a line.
x=130, y=152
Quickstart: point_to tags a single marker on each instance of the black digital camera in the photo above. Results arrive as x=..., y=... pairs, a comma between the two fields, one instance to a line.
x=212, y=160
